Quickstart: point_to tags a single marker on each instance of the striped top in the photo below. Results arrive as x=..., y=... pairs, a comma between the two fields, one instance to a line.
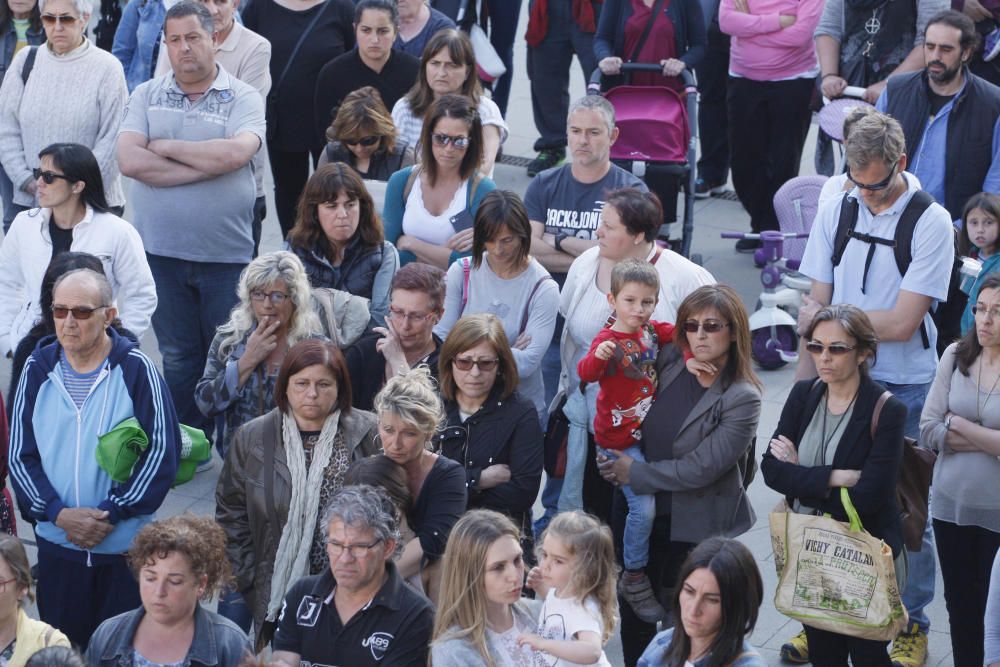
x=78, y=384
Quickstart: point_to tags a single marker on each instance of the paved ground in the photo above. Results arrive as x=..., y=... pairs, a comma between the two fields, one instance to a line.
x=712, y=217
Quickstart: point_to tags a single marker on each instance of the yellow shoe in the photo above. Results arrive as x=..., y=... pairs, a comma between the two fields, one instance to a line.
x=910, y=648
x=796, y=649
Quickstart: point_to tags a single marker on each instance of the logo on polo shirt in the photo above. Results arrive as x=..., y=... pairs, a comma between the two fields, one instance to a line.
x=308, y=612
x=378, y=642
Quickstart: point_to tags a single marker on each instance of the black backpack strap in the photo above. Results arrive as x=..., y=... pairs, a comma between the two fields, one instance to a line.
x=903, y=251
x=29, y=64
x=845, y=225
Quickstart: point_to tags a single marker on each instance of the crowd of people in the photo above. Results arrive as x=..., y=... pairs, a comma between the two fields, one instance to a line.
x=378, y=392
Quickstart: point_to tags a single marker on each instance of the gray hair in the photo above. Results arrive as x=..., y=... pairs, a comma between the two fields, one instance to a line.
x=874, y=138
x=594, y=103
x=367, y=508
x=190, y=8
x=261, y=272
x=413, y=397
x=83, y=7
x=98, y=281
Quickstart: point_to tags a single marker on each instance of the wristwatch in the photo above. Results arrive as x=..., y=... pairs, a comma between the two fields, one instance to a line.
x=557, y=242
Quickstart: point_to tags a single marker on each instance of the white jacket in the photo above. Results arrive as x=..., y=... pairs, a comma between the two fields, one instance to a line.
x=27, y=250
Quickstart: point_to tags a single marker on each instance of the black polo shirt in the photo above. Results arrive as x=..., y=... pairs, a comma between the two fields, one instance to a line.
x=394, y=629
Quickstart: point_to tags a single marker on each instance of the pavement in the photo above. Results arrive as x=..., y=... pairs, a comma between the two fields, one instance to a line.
x=712, y=216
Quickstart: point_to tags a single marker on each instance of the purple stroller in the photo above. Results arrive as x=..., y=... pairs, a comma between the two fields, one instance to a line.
x=655, y=135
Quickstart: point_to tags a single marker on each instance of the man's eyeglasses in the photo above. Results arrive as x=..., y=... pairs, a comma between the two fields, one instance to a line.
x=875, y=187
x=79, y=313
x=364, y=141
x=710, y=326
x=52, y=19
x=277, y=298
x=400, y=316
x=445, y=139
x=993, y=312
x=335, y=549
x=485, y=365
x=836, y=349
x=49, y=177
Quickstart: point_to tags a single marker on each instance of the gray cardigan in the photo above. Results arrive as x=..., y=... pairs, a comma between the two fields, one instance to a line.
x=458, y=652
x=707, y=496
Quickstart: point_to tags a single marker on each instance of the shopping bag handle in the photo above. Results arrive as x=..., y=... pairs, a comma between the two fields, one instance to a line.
x=852, y=514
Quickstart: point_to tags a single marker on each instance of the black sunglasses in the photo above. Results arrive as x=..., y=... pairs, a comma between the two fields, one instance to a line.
x=445, y=139
x=836, y=349
x=364, y=141
x=79, y=313
x=49, y=177
x=485, y=365
x=710, y=326
x=875, y=187
x=52, y=19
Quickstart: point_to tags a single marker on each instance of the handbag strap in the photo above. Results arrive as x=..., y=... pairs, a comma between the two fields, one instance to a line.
x=657, y=7
x=298, y=45
x=527, y=304
x=269, y=446
x=886, y=395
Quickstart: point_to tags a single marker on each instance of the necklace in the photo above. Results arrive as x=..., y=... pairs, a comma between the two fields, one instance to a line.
x=979, y=389
x=823, y=438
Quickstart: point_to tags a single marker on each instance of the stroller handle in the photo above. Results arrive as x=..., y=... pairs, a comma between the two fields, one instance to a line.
x=594, y=87
x=768, y=235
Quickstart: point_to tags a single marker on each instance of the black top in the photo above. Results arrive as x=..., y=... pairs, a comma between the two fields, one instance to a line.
x=346, y=73
x=366, y=366
x=673, y=404
x=393, y=629
x=440, y=503
x=938, y=101
x=294, y=97
x=62, y=239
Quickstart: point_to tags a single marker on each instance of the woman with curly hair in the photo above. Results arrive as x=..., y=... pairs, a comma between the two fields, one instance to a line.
x=178, y=562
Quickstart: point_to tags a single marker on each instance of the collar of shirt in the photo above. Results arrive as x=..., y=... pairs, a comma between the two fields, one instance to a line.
x=389, y=596
x=912, y=185
x=222, y=82
x=233, y=39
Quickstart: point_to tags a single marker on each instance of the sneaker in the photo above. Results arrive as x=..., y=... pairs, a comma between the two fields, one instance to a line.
x=910, y=648
x=748, y=245
x=992, y=45
x=796, y=649
x=547, y=158
x=703, y=189
x=638, y=592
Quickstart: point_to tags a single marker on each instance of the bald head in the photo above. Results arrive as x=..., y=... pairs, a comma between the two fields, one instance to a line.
x=88, y=282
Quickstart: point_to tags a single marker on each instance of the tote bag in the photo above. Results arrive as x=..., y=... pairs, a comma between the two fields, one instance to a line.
x=835, y=576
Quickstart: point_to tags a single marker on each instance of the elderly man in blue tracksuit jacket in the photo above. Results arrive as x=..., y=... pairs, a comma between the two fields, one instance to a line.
x=75, y=388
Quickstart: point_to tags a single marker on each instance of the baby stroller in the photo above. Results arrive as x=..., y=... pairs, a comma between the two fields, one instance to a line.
x=656, y=137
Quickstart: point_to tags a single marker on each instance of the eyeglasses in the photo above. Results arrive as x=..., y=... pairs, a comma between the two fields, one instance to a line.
x=875, y=187
x=485, y=365
x=400, y=316
x=335, y=549
x=364, y=141
x=79, y=313
x=993, y=312
x=51, y=19
x=277, y=298
x=4, y=582
x=710, y=326
x=49, y=177
x=836, y=349
x=445, y=139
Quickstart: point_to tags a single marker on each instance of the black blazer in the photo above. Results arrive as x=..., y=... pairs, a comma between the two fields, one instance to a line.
x=874, y=496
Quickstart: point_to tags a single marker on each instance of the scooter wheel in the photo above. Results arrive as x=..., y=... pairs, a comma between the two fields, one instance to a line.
x=766, y=350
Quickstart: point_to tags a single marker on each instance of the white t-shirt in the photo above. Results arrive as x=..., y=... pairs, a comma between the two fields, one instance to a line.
x=562, y=618
x=504, y=649
x=436, y=229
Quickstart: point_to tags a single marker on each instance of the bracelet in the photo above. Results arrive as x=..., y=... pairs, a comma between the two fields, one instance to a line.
x=826, y=75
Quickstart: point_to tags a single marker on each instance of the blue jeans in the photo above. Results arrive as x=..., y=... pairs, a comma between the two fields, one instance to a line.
x=234, y=607
x=194, y=299
x=579, y=418
x=919, y=591
x=641, y=512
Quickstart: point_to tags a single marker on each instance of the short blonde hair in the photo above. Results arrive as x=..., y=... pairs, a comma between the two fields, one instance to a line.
x=411, y=396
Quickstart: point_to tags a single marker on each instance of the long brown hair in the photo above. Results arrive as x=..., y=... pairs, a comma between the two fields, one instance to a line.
x=968, y=348
x=7, y=18
x=461, y=108
x=468, y=332
x=460, y=51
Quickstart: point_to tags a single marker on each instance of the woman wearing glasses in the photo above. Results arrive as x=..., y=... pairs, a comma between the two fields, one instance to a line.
x=824, y=442
x=961, y=420
x=22, y=634
x=491, y=429
x=338, y=236
x=73, y=216
x=282, y=471
x=704, y=427
x=274, y=313
x=77, y=94
x=430, y=209
x=362, y=135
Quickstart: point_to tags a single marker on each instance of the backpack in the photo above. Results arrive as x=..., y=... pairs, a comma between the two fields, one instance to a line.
x=901, y=244
x=29, y=64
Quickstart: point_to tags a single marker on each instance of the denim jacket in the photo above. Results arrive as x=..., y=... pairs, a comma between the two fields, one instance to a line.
x=8, y=40
x=137, y=40
x=218, y=642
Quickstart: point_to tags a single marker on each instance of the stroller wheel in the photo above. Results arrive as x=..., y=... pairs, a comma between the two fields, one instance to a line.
x=766, y=350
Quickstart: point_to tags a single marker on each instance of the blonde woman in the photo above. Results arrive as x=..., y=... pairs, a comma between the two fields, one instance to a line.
x=20, y=635
x=481, y=612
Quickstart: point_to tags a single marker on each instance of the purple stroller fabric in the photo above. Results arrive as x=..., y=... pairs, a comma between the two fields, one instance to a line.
x=795, y=204
x=831, y=116
x=652, y=123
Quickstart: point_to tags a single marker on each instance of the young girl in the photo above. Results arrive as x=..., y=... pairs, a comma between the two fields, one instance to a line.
x=979, y=238
x=576, y=578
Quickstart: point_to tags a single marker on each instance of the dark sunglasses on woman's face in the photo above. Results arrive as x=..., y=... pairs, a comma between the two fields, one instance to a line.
x=51, y=19
x=79, y=313
x=710, y=326
x=364, y=141
x=49, y=177
x=836, y=349
x=445, y=139
x=485, y=365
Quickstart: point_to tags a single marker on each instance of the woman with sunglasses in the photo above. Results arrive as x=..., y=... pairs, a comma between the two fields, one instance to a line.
x=77, y=94
x=704, y=426
x=363, y=136
x=73, y=216
x=491, y=429
x=824, y=442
